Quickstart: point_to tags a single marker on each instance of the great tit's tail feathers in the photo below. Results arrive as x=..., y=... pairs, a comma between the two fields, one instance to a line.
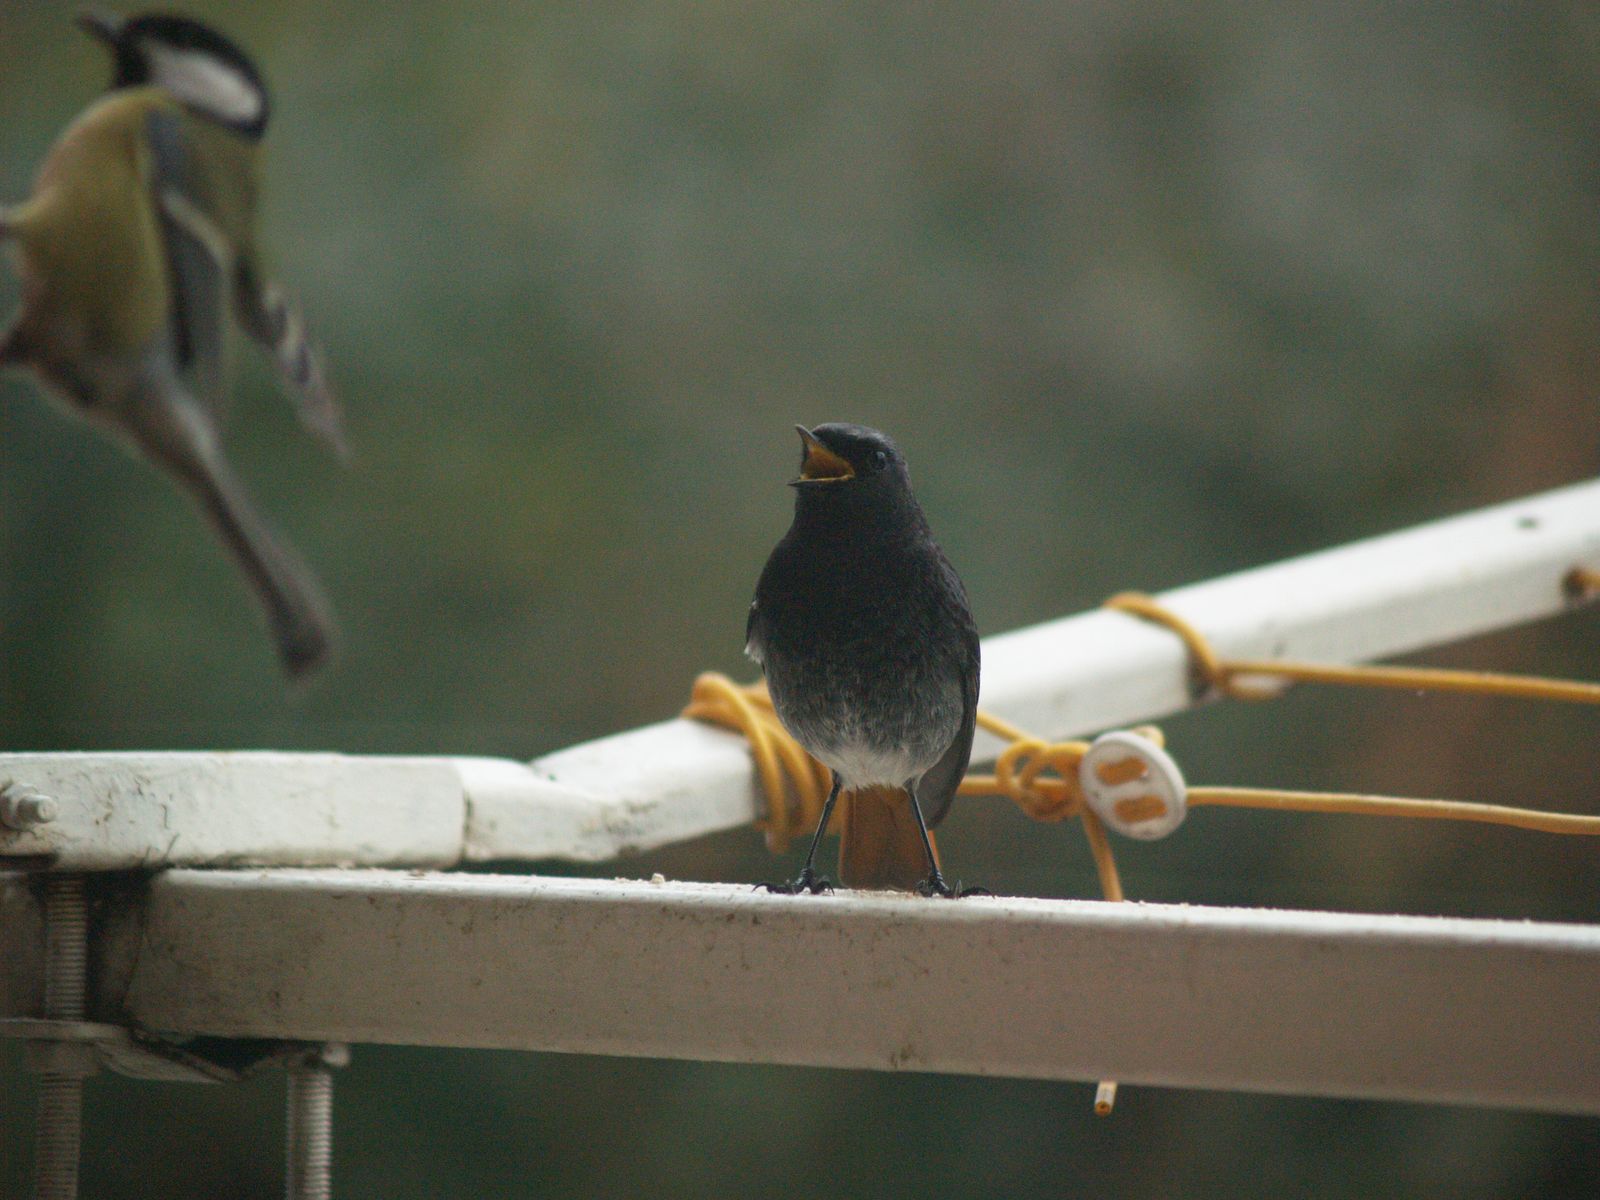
x=269, y=317
x=296, y=611
x=176, y=433
x=879, y=844
x=11, y=347
x=10, y=339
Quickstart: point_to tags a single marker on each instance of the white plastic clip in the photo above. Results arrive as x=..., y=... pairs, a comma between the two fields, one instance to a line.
x=1133, y=785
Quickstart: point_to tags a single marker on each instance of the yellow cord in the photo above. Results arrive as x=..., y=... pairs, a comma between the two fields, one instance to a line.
x=1392, y=806
x=1227, y=676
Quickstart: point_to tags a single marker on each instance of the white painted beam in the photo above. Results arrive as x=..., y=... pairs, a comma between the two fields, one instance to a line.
x=678, y=779
x=1402, y=1008
x=138, y=809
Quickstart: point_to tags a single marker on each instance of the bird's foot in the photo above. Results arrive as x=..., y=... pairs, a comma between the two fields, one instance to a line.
x=934, y=885
x=809, y=881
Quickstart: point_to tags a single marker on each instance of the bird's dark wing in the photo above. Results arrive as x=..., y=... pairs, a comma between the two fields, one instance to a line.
x=200, y=258
x=268, y=317
x=937, y=787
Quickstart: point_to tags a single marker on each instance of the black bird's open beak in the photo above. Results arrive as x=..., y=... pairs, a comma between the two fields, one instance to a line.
x=820, y=465
x=104, y=26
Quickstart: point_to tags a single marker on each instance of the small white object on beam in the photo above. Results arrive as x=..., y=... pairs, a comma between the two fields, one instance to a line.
x=1399, y=1008
x=680, y=779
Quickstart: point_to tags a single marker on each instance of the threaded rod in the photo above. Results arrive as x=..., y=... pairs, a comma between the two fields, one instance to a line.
x=310, y=1132
x=59, y=1124
x=66, y=948
x=56, y=1138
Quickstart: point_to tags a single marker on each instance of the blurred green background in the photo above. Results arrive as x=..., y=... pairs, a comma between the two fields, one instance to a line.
x=1147, y=293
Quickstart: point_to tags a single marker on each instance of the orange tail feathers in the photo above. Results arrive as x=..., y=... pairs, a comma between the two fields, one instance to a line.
x=879, y=846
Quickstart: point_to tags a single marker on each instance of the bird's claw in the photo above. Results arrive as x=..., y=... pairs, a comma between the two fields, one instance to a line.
x=934, y=885
x=808, y=881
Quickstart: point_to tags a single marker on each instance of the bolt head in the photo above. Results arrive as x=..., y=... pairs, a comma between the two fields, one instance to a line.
x=38, y=810
x=22, y=808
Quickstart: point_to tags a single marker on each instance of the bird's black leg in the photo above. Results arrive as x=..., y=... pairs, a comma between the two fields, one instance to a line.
x=808, y=881
x=934, y=884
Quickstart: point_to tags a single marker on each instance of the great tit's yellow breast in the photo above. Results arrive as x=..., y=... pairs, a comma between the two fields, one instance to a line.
x=90, y=247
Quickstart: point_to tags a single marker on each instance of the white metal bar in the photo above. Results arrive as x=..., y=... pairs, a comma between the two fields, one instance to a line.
x=678, y=779
x=147, y=809
x=1448, y=1010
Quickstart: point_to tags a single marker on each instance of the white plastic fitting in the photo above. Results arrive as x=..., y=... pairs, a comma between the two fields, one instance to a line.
x=1133, y=785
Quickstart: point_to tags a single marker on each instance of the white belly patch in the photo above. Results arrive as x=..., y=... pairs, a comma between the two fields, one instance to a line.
x=861, y=766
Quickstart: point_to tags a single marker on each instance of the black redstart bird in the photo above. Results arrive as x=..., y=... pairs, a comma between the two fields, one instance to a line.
x=871, y=656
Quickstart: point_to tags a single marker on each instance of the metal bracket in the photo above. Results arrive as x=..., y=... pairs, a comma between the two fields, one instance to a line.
x=83, y=1047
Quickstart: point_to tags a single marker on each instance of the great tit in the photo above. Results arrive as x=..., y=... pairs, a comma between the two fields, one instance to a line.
x=134, y=249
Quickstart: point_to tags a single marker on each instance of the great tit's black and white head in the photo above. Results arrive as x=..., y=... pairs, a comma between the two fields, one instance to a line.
x=193, y=62
x=838, y=454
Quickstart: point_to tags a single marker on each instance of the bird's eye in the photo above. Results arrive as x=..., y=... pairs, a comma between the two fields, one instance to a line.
x=880, y=459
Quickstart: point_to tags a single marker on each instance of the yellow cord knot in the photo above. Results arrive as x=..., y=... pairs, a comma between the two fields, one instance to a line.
x=795, y=784
x=1020, y=776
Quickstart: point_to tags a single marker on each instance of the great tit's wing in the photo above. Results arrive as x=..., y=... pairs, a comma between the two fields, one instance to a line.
x=268, y=317
x=200, y=258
